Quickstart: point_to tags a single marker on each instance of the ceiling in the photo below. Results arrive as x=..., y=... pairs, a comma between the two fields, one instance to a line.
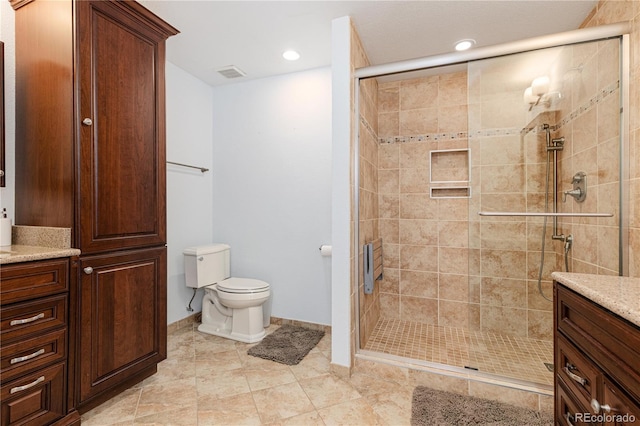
x=252, y=35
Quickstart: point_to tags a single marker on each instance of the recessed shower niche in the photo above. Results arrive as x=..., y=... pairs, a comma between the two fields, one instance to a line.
x=449, y=173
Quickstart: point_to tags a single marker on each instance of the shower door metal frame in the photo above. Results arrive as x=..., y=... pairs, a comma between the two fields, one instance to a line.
x=618, y=30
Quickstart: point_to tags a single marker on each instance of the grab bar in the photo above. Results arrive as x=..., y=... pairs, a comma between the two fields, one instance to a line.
x=534, y=214
x=202, y=169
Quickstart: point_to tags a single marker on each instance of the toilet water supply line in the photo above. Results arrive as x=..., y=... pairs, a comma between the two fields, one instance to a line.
x=552, y=145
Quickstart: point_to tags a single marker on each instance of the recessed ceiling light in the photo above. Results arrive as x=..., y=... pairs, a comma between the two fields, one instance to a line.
x=291, y=55
x=465, y=44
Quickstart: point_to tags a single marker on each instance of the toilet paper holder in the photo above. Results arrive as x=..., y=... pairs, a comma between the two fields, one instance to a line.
x=325, y=250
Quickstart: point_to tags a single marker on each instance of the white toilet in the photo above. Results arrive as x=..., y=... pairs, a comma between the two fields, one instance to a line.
x=231, y=307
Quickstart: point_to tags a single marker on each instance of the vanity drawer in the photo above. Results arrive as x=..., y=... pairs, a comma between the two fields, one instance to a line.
x=602, y=336
x=26, y=281
x=576, y=371
x=25, y=355
x=28, y=318
x=569, y=412
x=34, y=399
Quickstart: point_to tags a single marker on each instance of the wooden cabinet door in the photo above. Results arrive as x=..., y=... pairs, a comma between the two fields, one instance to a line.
x=122, y=318
x=622, y=409
x=121, y=200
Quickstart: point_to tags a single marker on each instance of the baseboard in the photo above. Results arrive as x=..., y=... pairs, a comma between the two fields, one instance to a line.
x=311, y=325
x=197, y=317
x=184, y=322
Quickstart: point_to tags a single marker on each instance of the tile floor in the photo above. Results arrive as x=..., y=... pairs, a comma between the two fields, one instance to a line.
x=507, y=356
x=208, y=380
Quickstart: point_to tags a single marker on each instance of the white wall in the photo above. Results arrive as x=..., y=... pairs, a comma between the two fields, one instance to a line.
x=7, y=35
x=341, y=192
x=189, y=200
x=272, y=187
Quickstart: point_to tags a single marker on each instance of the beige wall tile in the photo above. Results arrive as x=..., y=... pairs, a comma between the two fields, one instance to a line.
x=453, y=233
x=389, y=97
x=419, y=284
x=419, y=309
x=418, y=206
x=388, y=156
x=419, y=258
x=415, y=155
x=389, y=206
x=503, y=292
x=453, y=260
x=418, y=232
x=540, y=324
x=419, y=93
x=454, y=287
x=418, y=121
x=453, y=314
x=512, y=321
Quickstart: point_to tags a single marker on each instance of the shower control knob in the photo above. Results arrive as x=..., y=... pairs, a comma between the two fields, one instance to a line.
x=88, y=270
x=575, y=193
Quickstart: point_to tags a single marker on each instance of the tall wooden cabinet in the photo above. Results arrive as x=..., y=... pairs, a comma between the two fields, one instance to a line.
x=90, y=155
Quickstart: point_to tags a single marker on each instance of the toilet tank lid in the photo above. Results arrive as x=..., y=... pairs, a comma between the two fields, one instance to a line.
x=208, y=249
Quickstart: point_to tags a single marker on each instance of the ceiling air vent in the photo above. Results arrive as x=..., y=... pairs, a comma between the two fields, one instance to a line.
x=231, y=71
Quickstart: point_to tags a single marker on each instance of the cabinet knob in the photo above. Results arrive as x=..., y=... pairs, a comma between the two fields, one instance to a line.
x=87, y=121
x=598, y=408
x=88, y=270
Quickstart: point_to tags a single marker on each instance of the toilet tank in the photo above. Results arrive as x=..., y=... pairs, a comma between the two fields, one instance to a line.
x=206, y=265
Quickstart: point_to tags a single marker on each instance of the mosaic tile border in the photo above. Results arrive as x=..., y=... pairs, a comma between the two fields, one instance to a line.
x=509, y=131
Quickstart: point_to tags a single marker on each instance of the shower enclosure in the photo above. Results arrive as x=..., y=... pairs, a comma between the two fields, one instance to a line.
x=482, y=177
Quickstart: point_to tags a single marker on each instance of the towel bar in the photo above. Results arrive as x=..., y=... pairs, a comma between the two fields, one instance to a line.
x=542, y=214
x=202, y=169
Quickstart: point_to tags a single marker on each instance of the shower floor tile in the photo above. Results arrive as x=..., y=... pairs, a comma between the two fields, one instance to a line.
x=508, y=356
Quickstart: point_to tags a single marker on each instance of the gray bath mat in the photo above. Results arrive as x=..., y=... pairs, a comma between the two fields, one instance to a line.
x=433, y=407
x=287, y=345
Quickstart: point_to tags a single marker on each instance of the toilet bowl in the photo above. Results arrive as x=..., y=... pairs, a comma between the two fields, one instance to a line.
x=232, y=307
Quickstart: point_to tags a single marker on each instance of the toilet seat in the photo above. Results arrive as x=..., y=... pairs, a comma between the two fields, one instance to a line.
x=242, y=286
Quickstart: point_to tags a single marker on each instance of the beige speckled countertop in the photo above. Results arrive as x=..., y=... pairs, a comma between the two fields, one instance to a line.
x=37, y=243
x=620, y=295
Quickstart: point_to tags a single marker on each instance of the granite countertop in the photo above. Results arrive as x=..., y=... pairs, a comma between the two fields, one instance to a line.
x=37, y=243
x=620, y=295
x=18, y=253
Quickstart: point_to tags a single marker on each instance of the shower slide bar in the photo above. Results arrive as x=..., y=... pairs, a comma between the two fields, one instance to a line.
x=202, y=169
x=542, y=214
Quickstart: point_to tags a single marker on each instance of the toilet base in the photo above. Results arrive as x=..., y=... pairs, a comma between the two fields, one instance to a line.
x=229, y=334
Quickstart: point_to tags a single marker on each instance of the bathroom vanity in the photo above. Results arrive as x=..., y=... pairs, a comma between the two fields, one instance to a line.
x=90, y=156
x=35, y=369
x=597, y=349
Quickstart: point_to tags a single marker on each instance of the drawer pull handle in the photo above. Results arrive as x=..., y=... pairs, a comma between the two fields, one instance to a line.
x=27, y=320
x=569, y=418
x=26, y=357
x=597, y=407
x=575, y=377
x=88, y=270
x=27, y=386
